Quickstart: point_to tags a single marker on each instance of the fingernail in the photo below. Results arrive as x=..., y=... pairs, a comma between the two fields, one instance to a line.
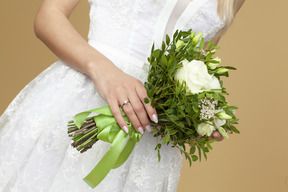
x=140, y=129
x=125, y=129
x=154, y=118
x=148, y=128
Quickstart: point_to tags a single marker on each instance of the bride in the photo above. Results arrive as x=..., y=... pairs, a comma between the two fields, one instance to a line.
x=110, y=69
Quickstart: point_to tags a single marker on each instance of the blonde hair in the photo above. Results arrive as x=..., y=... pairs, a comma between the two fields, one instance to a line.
x=227, y=10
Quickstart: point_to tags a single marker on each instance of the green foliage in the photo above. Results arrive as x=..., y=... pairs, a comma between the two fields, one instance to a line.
x=178, y=113
x=146, y=100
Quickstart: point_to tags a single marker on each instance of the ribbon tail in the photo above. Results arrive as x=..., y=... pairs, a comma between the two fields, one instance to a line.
x=107, y=162
x=125, y=153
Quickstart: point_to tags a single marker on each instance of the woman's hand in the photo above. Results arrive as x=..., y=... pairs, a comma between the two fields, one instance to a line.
x=218, y=136
x=116, y=87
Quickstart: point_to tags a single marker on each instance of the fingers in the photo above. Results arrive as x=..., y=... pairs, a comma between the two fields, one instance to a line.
x=130, y=96
x=129, y=111
x=142, y=94
x=137, y=111
x=140, y=113
x=217, y=135
x=117, y=114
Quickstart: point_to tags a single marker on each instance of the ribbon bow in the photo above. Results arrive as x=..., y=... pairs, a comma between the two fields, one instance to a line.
x=109, y=131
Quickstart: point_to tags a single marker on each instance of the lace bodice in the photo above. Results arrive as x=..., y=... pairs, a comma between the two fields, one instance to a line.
x=133, y=26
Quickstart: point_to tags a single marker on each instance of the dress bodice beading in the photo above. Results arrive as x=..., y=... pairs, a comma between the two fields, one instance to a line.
x=132, y=26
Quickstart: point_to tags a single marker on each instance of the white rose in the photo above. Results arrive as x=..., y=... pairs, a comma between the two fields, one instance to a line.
x=196, y=76
x=205, y=129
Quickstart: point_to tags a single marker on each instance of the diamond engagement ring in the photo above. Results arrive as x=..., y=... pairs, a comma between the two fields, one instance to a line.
x=124, y=103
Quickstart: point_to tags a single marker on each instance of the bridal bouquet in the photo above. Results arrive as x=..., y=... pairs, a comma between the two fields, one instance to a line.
x=185, y=88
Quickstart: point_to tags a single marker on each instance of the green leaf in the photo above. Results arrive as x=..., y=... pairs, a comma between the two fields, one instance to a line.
x=159, y=156
x=174, y=117
x=208, y=95
x=229, y=67
x=167, y=39
x=233, y=121
x=233, y=107
x=175, y=34
x=217, y=96
x=199, y=153
x=195, y=108
x=170, y=111
x=205, y=149
x=201, y=95
x=152, y=49
x=202, y=43
x=164, y=59
x=205, y=155
x=163, y=45
x=158, y=146
x=146, y=100
x=210, y=44
x=181, y=125
x=194, y=158
x=234, y=129
x=212, y=140
x=192, y=150
x=166, y=138
x=189, y=158
x=209, y=146
x=156, y=53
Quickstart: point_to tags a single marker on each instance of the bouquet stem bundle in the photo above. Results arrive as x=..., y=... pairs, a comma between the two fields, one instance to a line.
x=85, y=137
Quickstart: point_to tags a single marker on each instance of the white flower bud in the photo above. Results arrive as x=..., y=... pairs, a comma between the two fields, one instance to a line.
x=223, y=115
x=223, y=132
x=197, y=38
x=214, y=65
x=221, y=70
x=179, y=44
x=192, y=34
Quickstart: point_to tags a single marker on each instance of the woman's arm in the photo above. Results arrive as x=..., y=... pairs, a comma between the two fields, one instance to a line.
x=54, y=29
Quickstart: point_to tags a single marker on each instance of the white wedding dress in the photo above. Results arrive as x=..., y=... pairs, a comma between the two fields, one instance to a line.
x=35, y=150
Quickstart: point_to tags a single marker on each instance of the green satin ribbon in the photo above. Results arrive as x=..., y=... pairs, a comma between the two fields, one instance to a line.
x=109, y=131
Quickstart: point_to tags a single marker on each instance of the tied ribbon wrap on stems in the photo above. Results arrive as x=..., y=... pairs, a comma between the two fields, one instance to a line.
x=109, y=131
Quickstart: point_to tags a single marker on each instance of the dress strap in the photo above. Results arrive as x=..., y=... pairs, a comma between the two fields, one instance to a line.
x=162, y=21
x=189, y=13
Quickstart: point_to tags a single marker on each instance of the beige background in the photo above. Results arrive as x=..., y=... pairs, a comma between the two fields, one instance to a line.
x=255, y=160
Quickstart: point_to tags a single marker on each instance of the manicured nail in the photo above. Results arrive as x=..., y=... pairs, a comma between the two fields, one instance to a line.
x=125, y=129
x=148, y=128
x=140, y=129
x=154, y=118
